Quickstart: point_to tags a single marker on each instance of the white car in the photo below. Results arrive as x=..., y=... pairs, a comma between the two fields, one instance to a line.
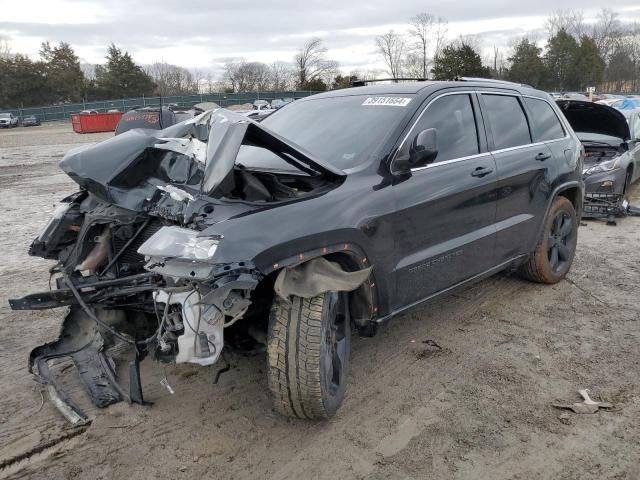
x=8, y=120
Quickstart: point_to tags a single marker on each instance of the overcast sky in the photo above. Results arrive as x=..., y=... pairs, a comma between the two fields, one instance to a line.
x=203, y=33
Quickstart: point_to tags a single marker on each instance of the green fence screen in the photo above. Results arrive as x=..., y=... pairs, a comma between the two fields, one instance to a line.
x=63, y=111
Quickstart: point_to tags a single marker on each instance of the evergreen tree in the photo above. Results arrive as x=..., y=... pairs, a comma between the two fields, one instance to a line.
x=589, y=63
x=343, y=81
x=120, y=77
x=527, y=65
x=64, y=78
x=22, y=82
x=459, y=61
x=561, y=62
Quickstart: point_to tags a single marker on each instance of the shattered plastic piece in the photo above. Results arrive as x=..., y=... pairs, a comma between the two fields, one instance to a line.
x=190, y=146
x=587, y=406
x=165, y=383
x=177, y=193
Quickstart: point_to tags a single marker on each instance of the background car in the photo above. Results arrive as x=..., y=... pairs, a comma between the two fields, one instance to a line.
x=261, y=105
x=8, y=120
x=89, y=112
x=280, y=102
x=627, y=104
x=30, y=121
x=612, y=154
x=575, y=96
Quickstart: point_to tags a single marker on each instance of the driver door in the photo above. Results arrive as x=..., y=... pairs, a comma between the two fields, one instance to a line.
x=446, y=210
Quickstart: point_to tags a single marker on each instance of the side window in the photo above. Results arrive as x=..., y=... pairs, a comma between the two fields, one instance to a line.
x=545, y=120
x=454, y=120
x=507, y=119
x=636, y=129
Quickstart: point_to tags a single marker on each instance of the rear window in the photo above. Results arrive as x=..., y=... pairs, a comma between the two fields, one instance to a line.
x=508, y=122
x=544, y=119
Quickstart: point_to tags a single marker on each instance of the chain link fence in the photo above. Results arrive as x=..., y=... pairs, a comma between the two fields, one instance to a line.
x=64, y=111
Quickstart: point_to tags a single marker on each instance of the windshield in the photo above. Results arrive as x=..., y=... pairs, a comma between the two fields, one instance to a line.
x=342, y=131
x=4, y=115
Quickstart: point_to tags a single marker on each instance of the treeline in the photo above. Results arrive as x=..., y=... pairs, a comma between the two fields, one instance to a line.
x=604, y=53
x=57, y=77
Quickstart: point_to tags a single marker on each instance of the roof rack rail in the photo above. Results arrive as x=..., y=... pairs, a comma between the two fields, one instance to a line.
x=362, y=83
x=489, y=80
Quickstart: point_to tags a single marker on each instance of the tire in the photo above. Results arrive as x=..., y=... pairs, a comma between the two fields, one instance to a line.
x=308, y=346
x=627, y=185
x=551, y=260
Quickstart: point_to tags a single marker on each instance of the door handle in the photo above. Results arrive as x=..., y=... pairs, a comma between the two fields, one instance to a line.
x=481, y=172
x=541, y=157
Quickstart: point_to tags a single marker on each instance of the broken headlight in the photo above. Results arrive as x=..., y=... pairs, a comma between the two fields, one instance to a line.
x=179, y=243
x=603, y=167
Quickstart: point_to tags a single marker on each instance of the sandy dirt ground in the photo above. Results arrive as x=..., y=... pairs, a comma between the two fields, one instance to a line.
x=461, y=388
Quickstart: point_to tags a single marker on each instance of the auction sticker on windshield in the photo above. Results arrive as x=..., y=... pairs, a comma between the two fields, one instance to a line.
x=388, y=101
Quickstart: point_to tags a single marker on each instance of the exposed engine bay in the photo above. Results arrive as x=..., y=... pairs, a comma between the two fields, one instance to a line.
x=134, y=261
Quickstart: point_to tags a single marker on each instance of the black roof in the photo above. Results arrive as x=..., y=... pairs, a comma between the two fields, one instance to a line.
x=422, y=87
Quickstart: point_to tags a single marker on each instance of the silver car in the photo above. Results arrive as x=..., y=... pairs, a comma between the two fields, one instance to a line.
x=8, y=120
x=612, y=153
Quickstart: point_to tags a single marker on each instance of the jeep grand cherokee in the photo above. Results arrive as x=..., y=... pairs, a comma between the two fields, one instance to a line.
x=331, y=216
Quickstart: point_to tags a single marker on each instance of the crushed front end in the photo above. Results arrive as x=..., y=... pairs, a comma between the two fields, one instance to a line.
x=133, y=266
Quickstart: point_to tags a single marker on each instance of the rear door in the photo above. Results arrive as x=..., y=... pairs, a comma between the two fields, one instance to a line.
x=445, y=212
x=522, y=165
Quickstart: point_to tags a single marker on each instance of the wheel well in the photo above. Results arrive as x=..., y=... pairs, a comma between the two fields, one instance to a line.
x=573, y=194
x=362, y=301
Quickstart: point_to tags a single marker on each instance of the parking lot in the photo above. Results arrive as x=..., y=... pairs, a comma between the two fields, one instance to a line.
x=461, y=388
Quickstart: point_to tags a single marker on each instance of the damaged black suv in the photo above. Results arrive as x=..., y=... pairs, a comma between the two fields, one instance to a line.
x=334, y=214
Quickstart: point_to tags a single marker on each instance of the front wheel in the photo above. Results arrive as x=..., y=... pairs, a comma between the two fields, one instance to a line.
x=552, y=258
x=308, y=346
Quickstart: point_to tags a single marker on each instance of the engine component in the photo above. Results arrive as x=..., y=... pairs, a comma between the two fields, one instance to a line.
x=203, y=336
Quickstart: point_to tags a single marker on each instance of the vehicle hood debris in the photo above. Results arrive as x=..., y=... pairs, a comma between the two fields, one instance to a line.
x=197, y=155
x=589, y=117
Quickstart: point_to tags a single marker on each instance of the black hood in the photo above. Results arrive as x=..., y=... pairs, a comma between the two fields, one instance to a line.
x=197, y=154
x=589, y=117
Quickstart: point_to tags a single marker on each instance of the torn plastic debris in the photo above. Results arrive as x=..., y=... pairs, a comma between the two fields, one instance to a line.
x=191, y=146
x=587, y=406
x=317, y=276
x=177, y=193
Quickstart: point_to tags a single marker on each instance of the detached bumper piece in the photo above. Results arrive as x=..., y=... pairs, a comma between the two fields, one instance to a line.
x=82, y=342
x=603, y=205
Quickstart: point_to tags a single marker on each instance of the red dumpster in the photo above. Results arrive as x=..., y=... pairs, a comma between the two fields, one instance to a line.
x=95, y=122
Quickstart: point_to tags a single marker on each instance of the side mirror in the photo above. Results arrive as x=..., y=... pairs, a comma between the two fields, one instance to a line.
x=422, y=151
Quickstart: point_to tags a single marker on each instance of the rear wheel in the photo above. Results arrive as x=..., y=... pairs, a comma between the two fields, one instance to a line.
x=308, y=347
x=552, y=258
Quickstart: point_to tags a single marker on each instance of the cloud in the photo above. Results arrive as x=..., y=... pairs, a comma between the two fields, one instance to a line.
x=200, y=33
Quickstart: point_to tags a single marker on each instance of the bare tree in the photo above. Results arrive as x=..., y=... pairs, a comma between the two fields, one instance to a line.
x=5, y=46
x=571, y=21
x=247, y=76
x=171, y=79
x=392, y=47
x=420, y=28
x=606, y=28
x=440, y=30
x=413, y=65
x=282, y=75
x=88, y=70
x=311, y=62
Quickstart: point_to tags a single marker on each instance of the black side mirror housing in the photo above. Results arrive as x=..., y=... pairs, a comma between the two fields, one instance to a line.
x=422, y=151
